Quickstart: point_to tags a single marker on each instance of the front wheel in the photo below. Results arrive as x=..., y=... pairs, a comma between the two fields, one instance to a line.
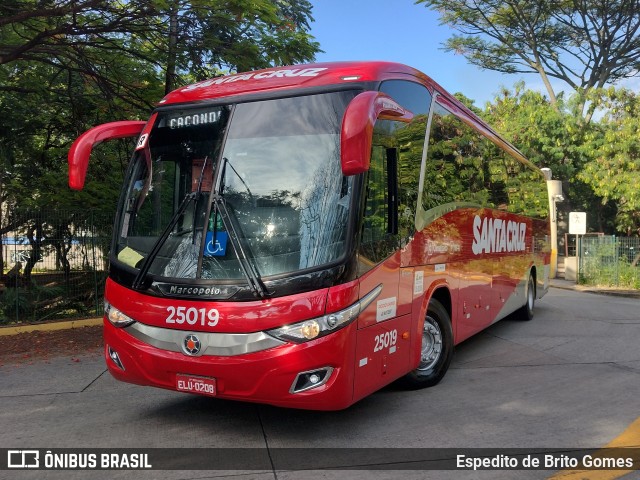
x=436, y=350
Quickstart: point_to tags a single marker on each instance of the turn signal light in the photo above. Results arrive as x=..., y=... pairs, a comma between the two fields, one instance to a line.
x=116, y=317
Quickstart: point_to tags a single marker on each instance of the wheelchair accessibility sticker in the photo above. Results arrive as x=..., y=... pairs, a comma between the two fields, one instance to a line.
x=215, y=247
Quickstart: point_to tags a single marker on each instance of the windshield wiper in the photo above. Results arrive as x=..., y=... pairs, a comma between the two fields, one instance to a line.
x=226, y=162
x=198, y=192
x=193, y=196
x=144, y=268
x=246, y=265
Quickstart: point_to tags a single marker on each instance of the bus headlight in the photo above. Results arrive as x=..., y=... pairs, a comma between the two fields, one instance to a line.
x=319, y=327
x=116, y=317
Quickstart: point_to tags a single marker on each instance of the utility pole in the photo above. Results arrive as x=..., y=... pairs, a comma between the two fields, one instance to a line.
x=554, y=192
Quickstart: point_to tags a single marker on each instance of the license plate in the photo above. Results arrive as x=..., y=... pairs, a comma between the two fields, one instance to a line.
x=194, y=384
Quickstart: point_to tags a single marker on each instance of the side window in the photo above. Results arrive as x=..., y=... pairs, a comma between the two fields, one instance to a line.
x=498, y=178
x=394, y=175
x=456, y=171
x=407, y=142
x=527, y=190
x=378, y=240
x=465, y=167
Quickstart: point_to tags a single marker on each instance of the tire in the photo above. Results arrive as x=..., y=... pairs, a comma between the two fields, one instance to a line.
x=526, y=311
x=436, y=350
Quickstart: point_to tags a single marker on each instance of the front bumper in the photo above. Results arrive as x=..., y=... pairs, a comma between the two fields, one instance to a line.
x=264, y=376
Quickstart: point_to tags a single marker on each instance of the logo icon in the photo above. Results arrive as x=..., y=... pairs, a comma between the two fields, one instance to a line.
x=23, y=459
x=191, y=344
x=142, y=141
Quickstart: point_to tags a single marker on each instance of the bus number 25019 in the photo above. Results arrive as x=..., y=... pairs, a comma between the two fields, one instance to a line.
x=193, y=315
x=386, y=340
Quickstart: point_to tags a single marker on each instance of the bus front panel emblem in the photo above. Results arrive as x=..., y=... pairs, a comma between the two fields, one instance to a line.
x=191, y=344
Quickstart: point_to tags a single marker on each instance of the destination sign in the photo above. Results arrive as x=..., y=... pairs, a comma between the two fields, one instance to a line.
x=193, y=119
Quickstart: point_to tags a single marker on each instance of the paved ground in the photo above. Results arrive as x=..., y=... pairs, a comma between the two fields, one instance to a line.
x=567, y=379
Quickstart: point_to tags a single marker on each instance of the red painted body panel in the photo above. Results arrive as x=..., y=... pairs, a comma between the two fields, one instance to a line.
x=383, y=354
x=483, y=283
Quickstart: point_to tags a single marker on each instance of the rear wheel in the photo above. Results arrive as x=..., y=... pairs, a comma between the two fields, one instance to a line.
x=436, y=350
x=526, y=311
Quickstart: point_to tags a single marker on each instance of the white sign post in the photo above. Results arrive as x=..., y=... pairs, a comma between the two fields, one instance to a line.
x=577, y=227
x=577, y=223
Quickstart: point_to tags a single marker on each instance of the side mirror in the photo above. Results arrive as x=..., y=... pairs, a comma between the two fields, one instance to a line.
x=359, y=119
x=81, y=149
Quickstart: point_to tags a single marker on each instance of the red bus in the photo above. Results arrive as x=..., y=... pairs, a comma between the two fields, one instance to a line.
x=303, y=236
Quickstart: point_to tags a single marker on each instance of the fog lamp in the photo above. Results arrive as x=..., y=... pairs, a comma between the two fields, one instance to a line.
x=312, y=379
x=115, y=358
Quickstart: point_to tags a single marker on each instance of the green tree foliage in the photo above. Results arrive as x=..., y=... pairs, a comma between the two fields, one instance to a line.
x=548, y=136
x=104, y=42
x=553, y=137
x=67, y=65
x=586, y=44
x=614, y=169
x=233, y=35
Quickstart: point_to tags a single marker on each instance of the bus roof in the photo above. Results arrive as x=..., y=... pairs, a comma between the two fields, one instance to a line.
x=281, y=79
x=291, y=77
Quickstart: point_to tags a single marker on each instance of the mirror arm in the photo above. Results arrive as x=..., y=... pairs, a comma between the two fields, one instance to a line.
x=80, y=151
x=357, y=128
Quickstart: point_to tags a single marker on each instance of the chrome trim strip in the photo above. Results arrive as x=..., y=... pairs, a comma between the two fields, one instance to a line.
x=219, y=344
x=370, y=297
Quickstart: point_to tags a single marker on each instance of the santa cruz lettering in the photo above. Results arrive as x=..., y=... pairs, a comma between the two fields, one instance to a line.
x=495, y=235
x=287, y=72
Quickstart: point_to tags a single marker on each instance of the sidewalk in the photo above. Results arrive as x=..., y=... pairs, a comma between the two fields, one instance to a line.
x=570, y=285
x=49, y=326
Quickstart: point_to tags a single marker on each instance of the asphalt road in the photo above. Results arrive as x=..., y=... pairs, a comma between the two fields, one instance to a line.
x=567, y=379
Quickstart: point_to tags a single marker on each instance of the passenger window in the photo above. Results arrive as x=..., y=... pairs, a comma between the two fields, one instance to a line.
x=465, y=168
x=378, y=238
x=405, y=143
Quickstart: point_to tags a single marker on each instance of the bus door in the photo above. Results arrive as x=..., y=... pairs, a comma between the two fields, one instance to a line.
x=391, y=188
x=381, y=353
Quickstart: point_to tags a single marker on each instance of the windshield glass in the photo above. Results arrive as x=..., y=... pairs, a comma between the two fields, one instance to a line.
x=278, y=178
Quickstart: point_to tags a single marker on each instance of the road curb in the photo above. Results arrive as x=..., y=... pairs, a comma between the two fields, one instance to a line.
x=49, y=327
x=612, y=293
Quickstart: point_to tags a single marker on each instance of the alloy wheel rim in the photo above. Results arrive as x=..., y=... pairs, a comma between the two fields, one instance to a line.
x=431, y=348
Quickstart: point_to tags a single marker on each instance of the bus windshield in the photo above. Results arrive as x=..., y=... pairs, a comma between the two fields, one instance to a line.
x=218, y=187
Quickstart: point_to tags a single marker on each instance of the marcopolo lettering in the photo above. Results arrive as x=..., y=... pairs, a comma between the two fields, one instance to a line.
x=495, y=235
x=194, y=290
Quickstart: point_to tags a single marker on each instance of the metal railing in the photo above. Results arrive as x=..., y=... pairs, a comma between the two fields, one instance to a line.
x=54, y=266
x=610, y=261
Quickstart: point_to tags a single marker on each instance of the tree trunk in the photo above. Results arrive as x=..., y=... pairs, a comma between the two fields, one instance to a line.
x=172, y=51
x=34, y=234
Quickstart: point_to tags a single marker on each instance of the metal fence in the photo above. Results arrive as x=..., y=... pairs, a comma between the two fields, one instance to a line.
x=54, y=265
x=610, y=261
